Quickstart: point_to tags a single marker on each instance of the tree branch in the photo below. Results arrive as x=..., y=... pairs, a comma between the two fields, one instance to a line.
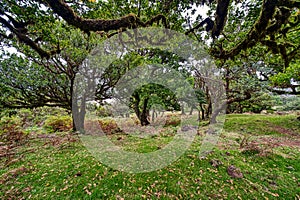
x=220, y=20
x=26, y=40
x=260, y=29
x=257, y=32
x=87, y=25
x=220, y=17
x=209, y=26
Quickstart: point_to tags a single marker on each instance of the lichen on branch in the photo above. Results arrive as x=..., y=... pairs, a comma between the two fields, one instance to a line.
x=87, y=25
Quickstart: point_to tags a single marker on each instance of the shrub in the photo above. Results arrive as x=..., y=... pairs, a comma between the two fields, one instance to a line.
x=11, y=129
x=109, y=126
x=135, y=119
x=172, y=120
x=168, y=131
x=103, y=112
x=291, y=103
x=42, y=113
x=58, y=123
x=27, y=117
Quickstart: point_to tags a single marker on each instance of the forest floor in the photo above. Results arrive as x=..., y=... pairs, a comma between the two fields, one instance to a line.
x=256, y=157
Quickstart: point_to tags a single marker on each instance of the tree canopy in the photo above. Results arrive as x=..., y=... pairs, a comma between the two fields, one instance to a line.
x=255, y=43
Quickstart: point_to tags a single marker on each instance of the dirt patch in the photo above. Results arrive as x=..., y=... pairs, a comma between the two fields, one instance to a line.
x=58, y=140
x=260, y=143
x=284, y=131
x=280, y=141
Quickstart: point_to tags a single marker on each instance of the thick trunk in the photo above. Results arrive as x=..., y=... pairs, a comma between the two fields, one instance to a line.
x=78, y=116
x=78, y=112
x=144, y=119
x=216, y=112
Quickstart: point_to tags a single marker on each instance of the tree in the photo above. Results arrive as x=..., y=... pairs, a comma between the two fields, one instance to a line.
x=144, y=98
x=25, y=84
x=41, y=37
x=49, y=81
x=255, y=25
x=58, y=34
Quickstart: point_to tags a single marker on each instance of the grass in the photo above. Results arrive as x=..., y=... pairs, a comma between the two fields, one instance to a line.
x=64, y=169
x=261, y=124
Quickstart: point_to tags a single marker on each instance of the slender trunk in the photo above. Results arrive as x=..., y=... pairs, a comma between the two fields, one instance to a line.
x=73, y=104
x=153, y=115
x=144, y=114
x=78, y=112
x=182, y=110
x=202, y=112
x=191, y=111
x=136, y=104
x=78, y=116
x=216, y=112
x=209, y=109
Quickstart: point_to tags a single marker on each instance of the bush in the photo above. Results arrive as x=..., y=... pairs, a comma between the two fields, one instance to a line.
x=291, y=103
x=11, y=129
x=109, y=126
x=172, y=120
x=27, y=117
x=35, y=116
x=42, y=113
x=58, y=123
x=135, y=119
x=103, y=112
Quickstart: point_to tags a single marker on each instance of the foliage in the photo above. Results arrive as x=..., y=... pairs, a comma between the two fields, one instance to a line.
x=291, y=103
x=103, y=111
x=58, y=124
x=172, y=120
x=26, y=84
x=109, y=126
x=257, y=103
x=252, y=41
x=11, y=130
x=285, y=79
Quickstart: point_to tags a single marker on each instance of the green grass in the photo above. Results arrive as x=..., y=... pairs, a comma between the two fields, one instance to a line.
x=68, y=171
x=261, y=124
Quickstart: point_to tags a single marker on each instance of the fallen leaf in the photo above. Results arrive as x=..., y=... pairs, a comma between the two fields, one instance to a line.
x=234, y=172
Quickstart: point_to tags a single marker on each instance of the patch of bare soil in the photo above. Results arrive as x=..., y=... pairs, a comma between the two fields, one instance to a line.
x=284, y=131
x=261, y=144
x=281, y=141
x=58, y=140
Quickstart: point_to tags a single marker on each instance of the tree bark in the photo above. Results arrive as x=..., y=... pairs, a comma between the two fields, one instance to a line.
x=87, y=25
x=182, y=110
x=144, y=114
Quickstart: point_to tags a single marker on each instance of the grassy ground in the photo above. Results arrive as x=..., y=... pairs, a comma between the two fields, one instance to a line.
x=263, y=148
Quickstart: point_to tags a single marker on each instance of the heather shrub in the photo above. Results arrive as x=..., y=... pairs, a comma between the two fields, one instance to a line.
x=58, y=123
x=109, y=126
x=172, y=120
x=11, y=129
